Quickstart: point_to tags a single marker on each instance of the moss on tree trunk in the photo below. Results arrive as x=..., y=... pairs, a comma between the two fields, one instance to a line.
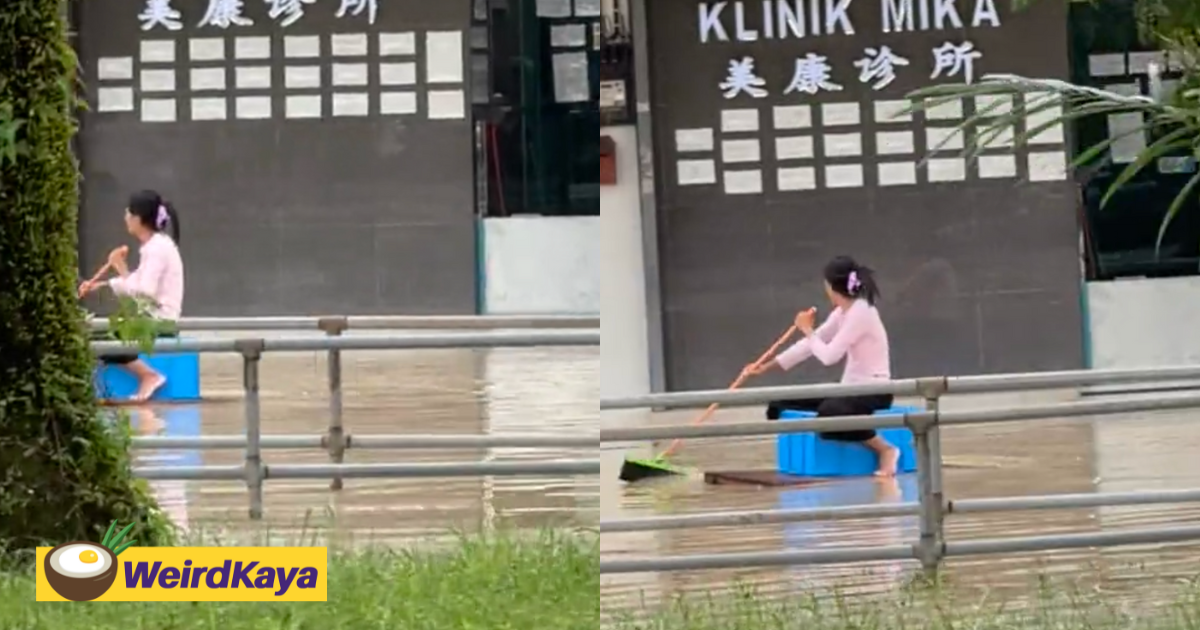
x=64, y=469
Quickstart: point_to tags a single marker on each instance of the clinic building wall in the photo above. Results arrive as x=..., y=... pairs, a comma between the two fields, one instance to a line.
x=321, y=163
x=774, y=152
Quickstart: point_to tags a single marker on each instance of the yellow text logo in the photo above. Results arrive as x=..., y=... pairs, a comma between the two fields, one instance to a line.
x=83, y=571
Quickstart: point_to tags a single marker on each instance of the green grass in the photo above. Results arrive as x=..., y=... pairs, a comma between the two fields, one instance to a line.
x=548, y=581
x=1052, y=607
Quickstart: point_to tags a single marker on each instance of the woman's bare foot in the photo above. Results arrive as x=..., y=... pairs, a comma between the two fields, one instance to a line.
x=148, y=386
x=888, y=460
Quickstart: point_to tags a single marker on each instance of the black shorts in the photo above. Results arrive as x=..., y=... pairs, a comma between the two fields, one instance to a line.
x=839, y=406
x=132, y=355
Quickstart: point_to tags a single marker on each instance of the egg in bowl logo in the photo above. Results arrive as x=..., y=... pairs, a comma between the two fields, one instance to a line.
x=85, y=571
x=82, y=571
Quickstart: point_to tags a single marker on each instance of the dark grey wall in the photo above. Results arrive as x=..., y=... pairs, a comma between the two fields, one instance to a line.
x=978, y=275
x=361, y=215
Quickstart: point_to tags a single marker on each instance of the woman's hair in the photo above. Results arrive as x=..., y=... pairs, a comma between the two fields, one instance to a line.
x=851, y=279
x=155, y=213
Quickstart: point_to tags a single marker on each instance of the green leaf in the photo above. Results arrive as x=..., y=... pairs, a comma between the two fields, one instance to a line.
x=1176, y=205
x=1159, y=148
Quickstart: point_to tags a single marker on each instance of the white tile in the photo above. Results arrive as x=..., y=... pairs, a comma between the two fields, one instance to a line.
x=206, y=79
x=348, y=45
x=897, y=173
x=796, y=178
x=395, y=103
x=935, y=136
x=252, y=48
x=253, y=77
x=840, y=114
x=403, y=73
x=209, y=108
x=206, y=48
x=695, y=172
x=997, y=138
x=352, y=74
x=793, y=147
x=946, y=169
x=445, y=104
x=951, y=110
x=739, y=120
x=894, y=143
x=253, y=107
x=1045, y=166
x=397, y=44
x=997, y=166
x=692, y=140
x=114, y=99
x=114, y=68
x=736, y=151
x=443, y=57
x=993, y=105
x=892, y=112
x=157, y=80
x=302, y=46
x=159, y=110
x=350, y=104
x=842, y=144
x=302, y=77
x=1139, y=62
x=792, y=116
x=156, y=51
x=743, y=182
x=1051, y=113
x=303, y=106
x=844, y=176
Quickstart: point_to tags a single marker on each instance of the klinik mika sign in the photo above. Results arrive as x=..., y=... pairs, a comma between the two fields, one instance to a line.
x=748, y=21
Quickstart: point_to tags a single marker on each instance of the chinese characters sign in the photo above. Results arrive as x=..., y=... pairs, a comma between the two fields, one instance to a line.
x=224, y=14
x=877, y=68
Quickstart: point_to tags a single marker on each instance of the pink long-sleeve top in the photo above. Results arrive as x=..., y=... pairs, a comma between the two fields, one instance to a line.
x=159, y=276
x=857, y=335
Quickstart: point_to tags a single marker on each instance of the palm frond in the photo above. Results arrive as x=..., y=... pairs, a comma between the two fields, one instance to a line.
x=1037, y=106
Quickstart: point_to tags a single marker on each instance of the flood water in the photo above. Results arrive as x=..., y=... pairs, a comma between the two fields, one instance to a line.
x=556, y=390
x=1151, y=451
x=551, y=390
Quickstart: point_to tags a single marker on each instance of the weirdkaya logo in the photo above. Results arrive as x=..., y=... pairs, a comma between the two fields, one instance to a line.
x=83, y=571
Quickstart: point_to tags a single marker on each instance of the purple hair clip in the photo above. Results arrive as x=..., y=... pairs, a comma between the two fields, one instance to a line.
x=163, y=217
x=852, y=283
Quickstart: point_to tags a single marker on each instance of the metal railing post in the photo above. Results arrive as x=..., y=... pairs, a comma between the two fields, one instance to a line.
x=930, y=547
x=251, y=351
x=932, y=390
x=336, y=441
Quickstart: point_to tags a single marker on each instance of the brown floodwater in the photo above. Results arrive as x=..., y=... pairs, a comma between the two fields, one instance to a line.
x=547, y=390
x=1150, y=451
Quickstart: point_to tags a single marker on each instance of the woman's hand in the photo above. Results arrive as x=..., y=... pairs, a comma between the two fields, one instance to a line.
x=118, y=255
x=757, y=369
x=86, y=287
x=806, y=320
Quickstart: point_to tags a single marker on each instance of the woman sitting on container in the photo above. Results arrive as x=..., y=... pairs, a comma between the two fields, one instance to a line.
x=855, y=332
x=158, y=278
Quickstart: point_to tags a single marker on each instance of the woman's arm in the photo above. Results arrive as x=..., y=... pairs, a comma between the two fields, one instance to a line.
x=143, y=280
x=802, y=350
x=831, y=350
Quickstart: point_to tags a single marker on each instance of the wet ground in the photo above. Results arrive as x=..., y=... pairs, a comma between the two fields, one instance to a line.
x=1152, y=451
x=551, y=390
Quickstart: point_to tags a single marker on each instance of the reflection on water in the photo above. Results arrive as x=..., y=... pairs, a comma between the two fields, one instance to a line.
x=428, y=392
x=1152, y=451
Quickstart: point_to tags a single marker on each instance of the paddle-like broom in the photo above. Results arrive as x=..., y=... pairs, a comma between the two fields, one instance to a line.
x=658, y=466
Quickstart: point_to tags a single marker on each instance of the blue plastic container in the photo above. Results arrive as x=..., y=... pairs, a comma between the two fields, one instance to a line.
x=181, y=369
x=177, y=422
x=807, y=455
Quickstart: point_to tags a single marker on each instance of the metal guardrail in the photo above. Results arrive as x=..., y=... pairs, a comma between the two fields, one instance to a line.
x=254, y=472
x=335, y=325
x=931, y=508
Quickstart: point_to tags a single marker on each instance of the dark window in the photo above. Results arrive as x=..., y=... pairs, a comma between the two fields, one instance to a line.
x=536, y=106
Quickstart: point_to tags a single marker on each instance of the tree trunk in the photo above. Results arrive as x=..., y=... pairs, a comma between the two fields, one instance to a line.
x=64, y=468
